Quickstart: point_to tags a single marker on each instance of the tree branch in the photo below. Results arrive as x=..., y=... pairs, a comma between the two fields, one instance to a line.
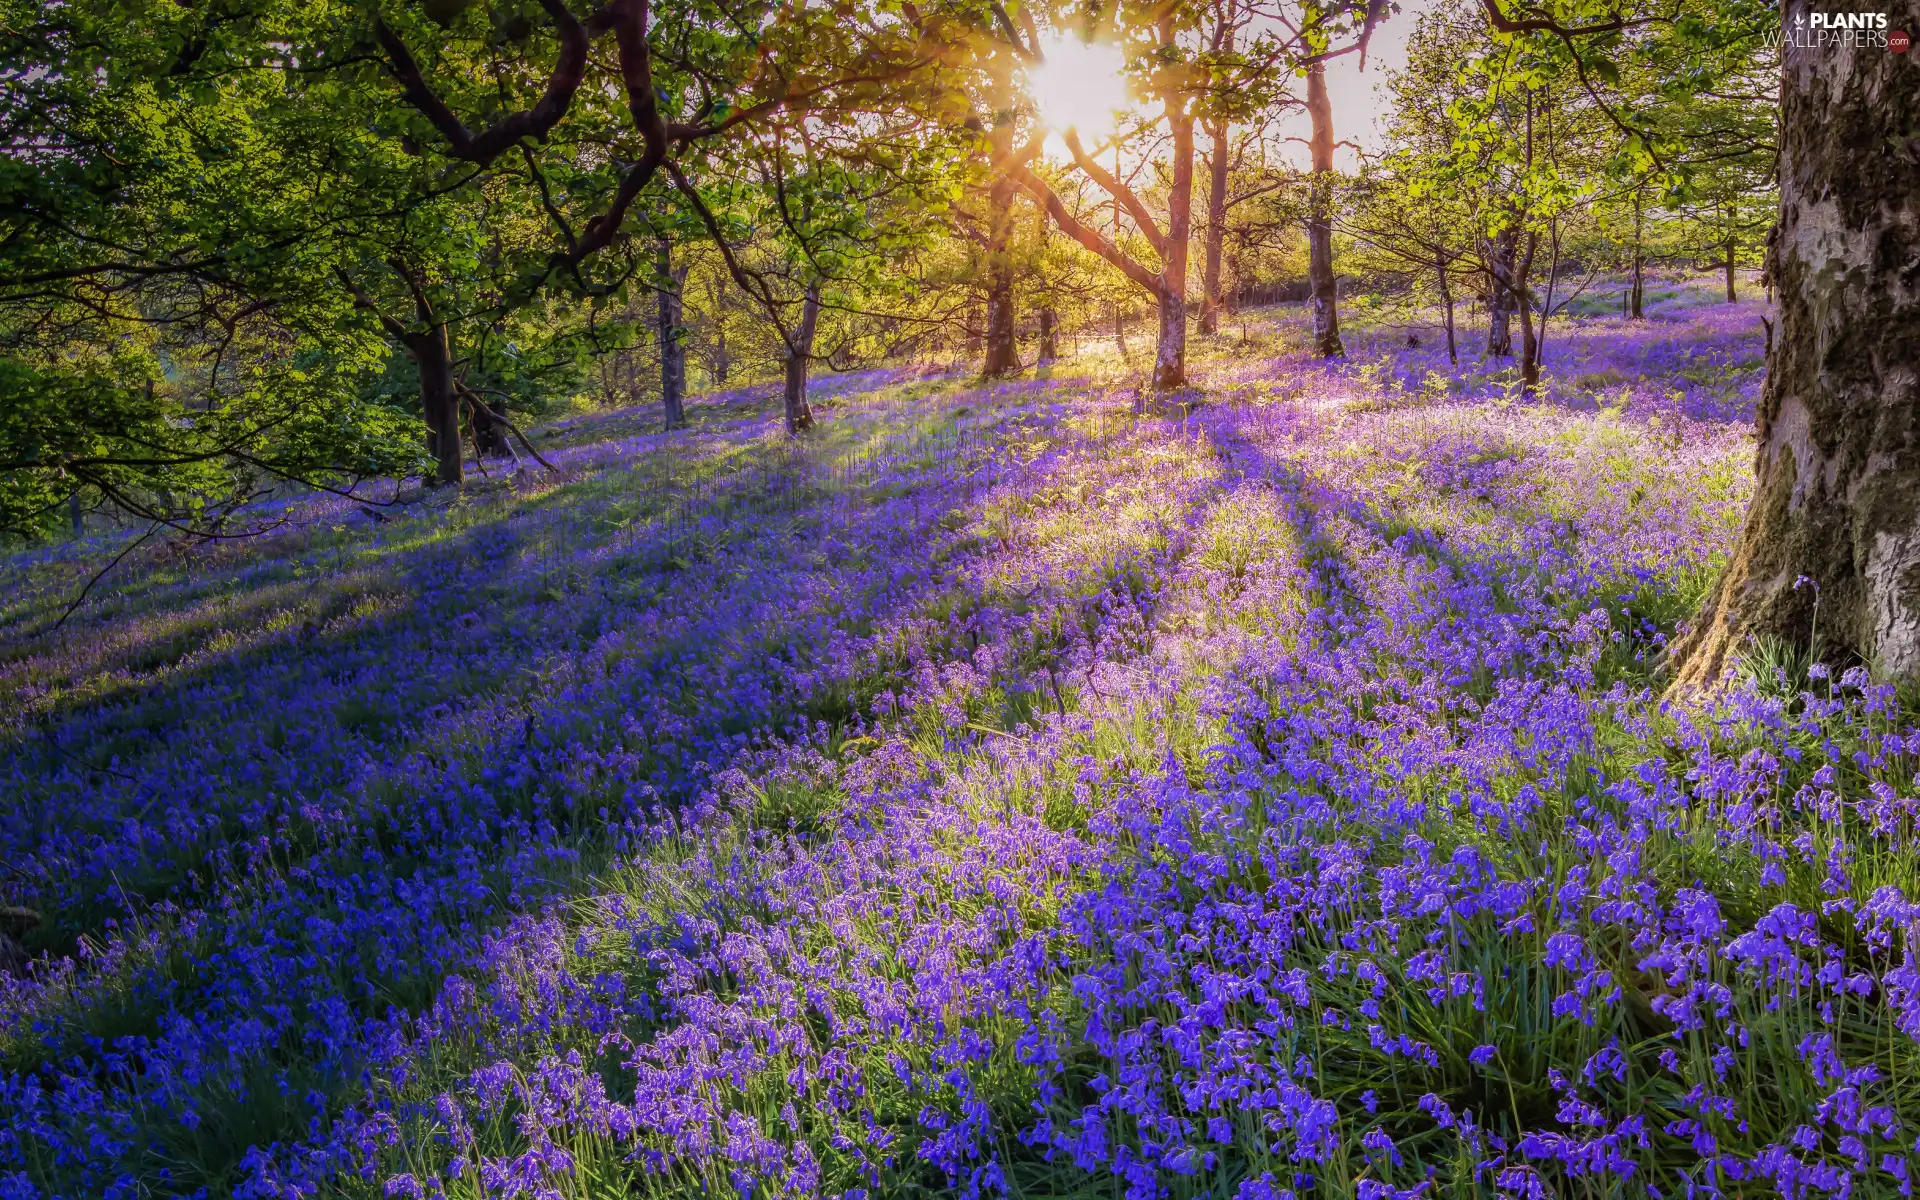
x=1119, y=191
x=1071, y=226
x=483, y=147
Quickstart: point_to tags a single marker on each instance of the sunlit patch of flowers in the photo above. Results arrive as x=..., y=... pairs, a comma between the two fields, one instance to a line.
x=1260, y=799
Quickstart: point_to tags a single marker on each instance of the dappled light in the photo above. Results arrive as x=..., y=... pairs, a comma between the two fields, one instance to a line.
x=882, y=600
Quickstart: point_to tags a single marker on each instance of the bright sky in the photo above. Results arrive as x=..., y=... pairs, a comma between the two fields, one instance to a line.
x=1356, y=108
x=1080, y=85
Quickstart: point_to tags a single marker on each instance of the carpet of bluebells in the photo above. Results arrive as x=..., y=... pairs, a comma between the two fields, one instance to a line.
x=1034, y=790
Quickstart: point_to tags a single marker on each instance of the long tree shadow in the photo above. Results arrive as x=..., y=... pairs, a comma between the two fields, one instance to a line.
x=1453, y=502
x=290, y=846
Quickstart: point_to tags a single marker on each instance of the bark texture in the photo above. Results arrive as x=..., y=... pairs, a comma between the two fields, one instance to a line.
x=1830, y=557
x=1499, y=255
x=1170, y=358
x=1637, y=292
x=433, y=359
x=1049, y=336
x=1520, y=300
x=673, y=347
x=1216, y=238
x=1002, y=351
x=799, y=358
x=1325, y=302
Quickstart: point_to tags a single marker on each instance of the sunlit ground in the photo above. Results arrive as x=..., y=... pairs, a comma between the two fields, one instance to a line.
x=1005, y=787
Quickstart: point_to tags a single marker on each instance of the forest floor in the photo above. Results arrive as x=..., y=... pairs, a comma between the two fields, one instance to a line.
x=1022, y=789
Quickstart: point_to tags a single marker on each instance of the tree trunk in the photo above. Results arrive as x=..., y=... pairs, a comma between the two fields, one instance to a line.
x=1326, y=302
x=1170, y=356
x=1499, y=251
x=1002, y=355
x=799, y=415
x=1522, y=302
x=489, y=435
x=1119, y=331
x=673, y=349
x=1049, y=339
x=1731, y=241
x=1003, y=351
x=1830, y=557
x=1216, y=227
x=1637, y=291
x=434, y=361
x=1446, y=303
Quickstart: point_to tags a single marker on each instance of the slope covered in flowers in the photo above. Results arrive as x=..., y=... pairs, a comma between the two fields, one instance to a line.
x=1013, y=791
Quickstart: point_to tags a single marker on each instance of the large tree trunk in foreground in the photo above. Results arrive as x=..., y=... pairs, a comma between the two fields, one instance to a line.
x=1326, y=300
x=434, y=361
x=1838, y=497
x=799, y=357
x=1216, y=228
x=673, y=347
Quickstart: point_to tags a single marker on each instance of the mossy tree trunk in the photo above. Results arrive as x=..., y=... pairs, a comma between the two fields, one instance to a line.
x=1830, y=557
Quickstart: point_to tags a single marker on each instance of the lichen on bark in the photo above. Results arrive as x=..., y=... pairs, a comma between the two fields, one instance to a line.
x=1830, y=556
